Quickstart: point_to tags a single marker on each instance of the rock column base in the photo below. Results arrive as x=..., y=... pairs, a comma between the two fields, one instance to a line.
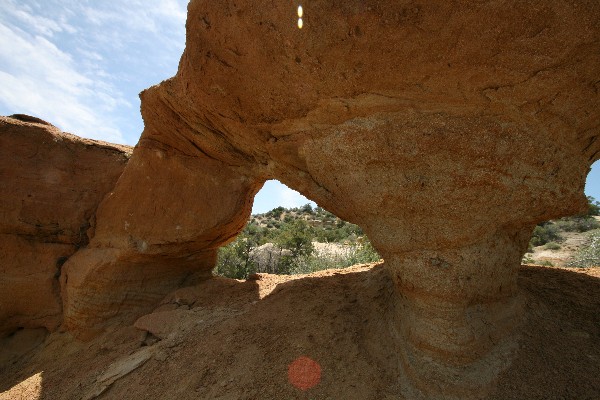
x=457, y=315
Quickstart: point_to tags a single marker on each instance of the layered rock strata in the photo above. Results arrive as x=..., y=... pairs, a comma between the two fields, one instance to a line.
x=446, y=130
x=51, y=184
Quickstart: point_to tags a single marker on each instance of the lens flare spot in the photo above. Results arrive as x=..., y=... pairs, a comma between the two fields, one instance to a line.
x=304, y=373
x=300, y=24
x=300, y=12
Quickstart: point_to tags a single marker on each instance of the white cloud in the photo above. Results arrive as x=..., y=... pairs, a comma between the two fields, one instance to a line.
x=80, y=64
x=38, y=78
x=39, y=24
x=174, y=9
x=289, y=198
x=135, y=19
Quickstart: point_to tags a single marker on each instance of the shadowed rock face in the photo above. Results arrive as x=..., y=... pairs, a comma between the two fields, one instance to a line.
x=51, y=185
x=445, y=130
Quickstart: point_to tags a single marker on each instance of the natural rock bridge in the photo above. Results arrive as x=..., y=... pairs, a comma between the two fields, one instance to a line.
x=446, y=130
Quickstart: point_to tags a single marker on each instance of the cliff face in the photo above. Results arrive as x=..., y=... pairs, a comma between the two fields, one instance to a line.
x=445, y=130
x=52, y=183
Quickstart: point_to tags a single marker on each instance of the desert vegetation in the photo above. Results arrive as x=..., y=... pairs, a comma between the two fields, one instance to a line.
x=559, y=235
x=294, y=241
x=306, y=239
x=588, y=255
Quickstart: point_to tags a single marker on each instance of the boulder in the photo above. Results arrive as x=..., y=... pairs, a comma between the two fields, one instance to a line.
x=52, y=183
x=445, y=130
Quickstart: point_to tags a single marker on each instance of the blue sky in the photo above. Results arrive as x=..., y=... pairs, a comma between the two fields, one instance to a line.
x=80, y=65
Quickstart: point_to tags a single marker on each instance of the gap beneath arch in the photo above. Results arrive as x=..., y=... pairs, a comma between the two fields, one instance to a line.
x=592, y=182
x=572, y=241
x=275, y=194
x=289, y=234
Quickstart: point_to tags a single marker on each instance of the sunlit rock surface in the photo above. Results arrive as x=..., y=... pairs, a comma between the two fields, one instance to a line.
x=445, y=130
x=51, y=185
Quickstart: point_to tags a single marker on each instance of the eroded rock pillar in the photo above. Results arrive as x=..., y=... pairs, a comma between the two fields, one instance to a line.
x=457, y=314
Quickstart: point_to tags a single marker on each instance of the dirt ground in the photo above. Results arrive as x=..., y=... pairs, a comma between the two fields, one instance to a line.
x=226, y=339
x=573, y=241
x=570, y=244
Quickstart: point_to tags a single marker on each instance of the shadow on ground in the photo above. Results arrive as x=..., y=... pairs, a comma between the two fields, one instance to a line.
x=225, y=339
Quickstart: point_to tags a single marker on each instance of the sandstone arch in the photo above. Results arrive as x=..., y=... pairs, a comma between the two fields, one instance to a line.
x=446, y=130
x=158, y=230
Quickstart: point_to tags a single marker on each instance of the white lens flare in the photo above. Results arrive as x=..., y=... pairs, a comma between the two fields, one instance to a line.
x=300, y=12
x=300, y=24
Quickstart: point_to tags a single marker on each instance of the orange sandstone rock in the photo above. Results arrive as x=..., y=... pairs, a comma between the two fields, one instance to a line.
x=446, y=130
x=51, y=184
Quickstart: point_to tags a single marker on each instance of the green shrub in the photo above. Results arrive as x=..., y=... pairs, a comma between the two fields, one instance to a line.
x=360, y=252
x=577, y=224
x=293, y=238
x=544, y=233
x=527, y=259
x=306, y=209
x=552, y=246
x=234, y=261
x=593, y=206
x=588, y=255
x=549, y=231
x=275, y=213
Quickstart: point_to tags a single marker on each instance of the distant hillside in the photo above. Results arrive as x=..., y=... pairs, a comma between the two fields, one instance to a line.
x=306, y=239
x=567, y=242
x=294, y=241
x=327, y=228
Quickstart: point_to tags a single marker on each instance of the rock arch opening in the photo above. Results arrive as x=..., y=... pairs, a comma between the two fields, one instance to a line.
x=570, y=241
x=592, y=181
x=292, y=236
x=275, y=194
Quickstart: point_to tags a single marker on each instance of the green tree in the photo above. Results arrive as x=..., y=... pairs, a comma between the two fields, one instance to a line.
x=307, y=209
x=593, y=206
x=296, y=237
x=235, y=259
x=544, y=233
x=276, y=212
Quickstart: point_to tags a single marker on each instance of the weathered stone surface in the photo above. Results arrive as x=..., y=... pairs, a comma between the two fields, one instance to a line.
x=29, y=282
x=52, y=183
x=158, y=230
x=446, y=130
x=163, y=323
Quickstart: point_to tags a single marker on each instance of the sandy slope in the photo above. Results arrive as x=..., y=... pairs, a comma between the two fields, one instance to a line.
x=570, y=244
x=573, y=241
x=226, y=339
